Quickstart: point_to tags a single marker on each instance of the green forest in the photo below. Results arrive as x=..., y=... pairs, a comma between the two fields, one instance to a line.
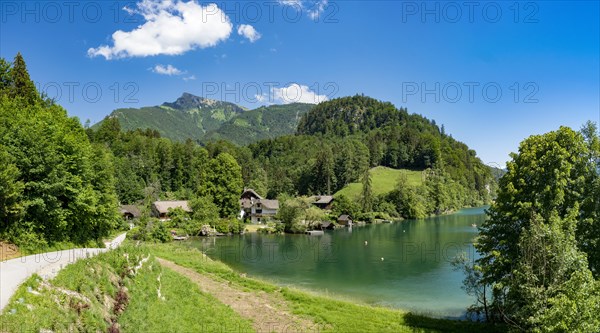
x=64, y=181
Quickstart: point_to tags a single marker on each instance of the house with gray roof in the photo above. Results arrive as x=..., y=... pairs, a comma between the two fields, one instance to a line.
x=130, y=212
x=257, y=208
x=160, y=209
x=322, y=201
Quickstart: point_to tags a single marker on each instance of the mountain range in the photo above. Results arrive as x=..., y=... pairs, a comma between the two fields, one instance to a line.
x=202, y=120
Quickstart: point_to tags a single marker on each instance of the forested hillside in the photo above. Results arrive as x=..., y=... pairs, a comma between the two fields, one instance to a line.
x=188, y=117
x=266, y=122
x=338, y=140
x=203, y=120
x=61, y=183
x=326, y=158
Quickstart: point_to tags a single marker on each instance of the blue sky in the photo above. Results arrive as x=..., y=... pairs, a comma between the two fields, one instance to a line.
x=492, y=72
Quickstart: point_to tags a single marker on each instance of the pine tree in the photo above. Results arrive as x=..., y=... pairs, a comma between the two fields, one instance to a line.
x=367, y=192
x=323, y=171
x=22, y=86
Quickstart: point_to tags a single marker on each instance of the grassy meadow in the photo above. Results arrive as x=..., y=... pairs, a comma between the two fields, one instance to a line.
x=383, y=180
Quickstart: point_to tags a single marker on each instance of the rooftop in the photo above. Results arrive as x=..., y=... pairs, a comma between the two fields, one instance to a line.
x=163, y=206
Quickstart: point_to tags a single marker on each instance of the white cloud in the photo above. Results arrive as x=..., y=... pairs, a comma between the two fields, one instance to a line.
x=261, y=98
x=313, y=8
x=291, y=2
x=295, y=93
x=189, y=78
x=318, y=8
x=172, y=27
x=249, y=32
x=166, y=70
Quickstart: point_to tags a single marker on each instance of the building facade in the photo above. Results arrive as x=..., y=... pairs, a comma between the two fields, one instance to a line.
x=257, y=209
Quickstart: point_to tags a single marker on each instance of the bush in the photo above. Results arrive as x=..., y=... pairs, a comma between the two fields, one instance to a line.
x=387, y=208
x=231, y=225
x=137, y=233
x=160, y=233
x=272, y=228
x=298, y=228
x=222, y=226
x=153, y=230
x=235, y=226
x=28, y=241
x=365, y=217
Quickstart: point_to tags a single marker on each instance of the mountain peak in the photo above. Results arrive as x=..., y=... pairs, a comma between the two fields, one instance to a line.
x=189, y=101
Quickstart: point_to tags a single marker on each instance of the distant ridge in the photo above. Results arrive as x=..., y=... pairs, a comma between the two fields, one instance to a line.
x=202, y=120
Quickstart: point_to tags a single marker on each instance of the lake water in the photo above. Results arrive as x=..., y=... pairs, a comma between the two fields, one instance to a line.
x=403, y=265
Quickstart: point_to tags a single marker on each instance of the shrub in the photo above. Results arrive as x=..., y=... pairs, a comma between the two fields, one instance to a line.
x=137, y=233
x=160, y=233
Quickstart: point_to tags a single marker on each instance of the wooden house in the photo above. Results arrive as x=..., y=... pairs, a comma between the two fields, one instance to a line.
x=130, y=212
x=323, y=201
x=345, y=220
x=160, y=209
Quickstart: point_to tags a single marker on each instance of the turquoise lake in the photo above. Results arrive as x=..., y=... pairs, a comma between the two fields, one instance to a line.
x=403, y=265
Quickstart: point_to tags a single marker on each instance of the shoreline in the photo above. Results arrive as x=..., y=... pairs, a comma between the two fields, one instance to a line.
x=324, y=296
x=188, y=281
x=253, y=228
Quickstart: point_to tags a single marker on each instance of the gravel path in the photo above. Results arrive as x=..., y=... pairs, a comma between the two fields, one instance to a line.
x=15, y=271
x=269, y=312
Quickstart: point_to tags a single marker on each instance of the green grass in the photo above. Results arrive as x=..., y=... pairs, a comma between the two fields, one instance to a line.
x=184, y=308
x=383, y=181
x=95, y=282
x=329, y=314
x=92, y=286
x=343, y=316
x=190, y=257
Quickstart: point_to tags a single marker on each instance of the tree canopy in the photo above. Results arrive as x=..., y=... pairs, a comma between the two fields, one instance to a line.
x=57, y=186
x=539, y=245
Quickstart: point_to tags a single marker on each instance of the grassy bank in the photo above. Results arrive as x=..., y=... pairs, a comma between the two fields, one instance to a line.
x=127, y=290
x=329, y=314
x=122, y=290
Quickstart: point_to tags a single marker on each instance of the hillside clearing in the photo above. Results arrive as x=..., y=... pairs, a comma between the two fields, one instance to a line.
x=384, y=180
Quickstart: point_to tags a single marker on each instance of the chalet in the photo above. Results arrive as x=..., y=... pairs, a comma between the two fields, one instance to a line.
x=345, y=220
x=322, y=201
x=264, y=210
x=247, y=200
x=160, y=209
x=327, y=225
x=257, y=208
x=130, y=212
